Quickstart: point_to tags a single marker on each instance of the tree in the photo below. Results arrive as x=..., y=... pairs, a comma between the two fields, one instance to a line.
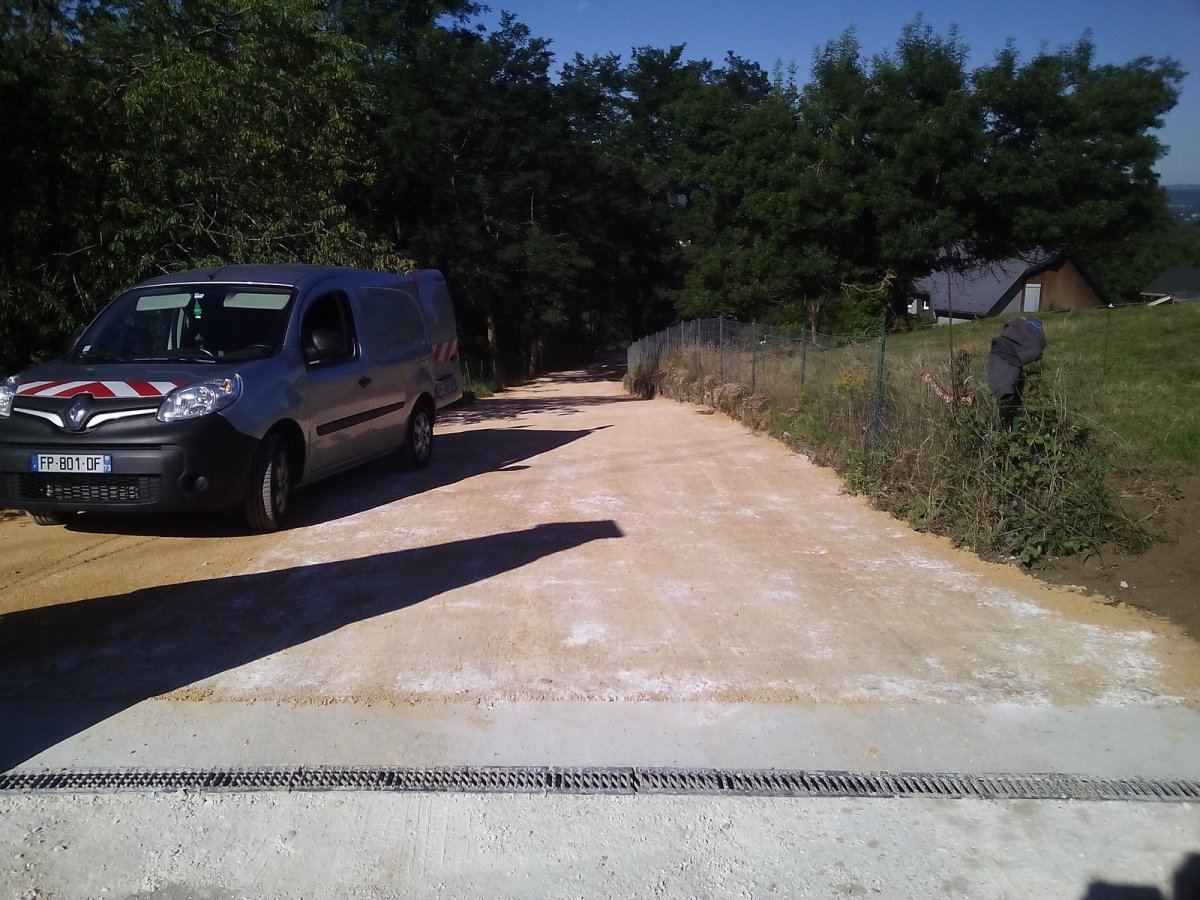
x=230, y=135
x=474, y=150
x=147, y=135
x=615, y=204
x=1069, y=155
x=689, y=122
x=753, y=245
x=925, y=145
x=898, y=140
x=45, y=184
x=172, y=134
x=857, y=181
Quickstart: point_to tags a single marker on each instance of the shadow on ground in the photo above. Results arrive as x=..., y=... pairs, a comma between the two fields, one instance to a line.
x=609, y=365
x=68, y=667
x=503, y=408
x=457, y=457
x=1185, y=886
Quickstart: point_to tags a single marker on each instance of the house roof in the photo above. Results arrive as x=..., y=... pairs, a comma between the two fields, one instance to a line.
x=985, y=289
x=1181, y=282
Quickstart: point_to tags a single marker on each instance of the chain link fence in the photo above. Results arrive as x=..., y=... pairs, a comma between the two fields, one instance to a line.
x=725, y=363
x=912, y=423
x=737, y=349
x=858, y=381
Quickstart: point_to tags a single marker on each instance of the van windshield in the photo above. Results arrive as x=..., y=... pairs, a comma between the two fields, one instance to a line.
x=193, y=323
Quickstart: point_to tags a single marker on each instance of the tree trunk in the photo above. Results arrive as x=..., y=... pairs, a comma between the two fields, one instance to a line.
x=897, y=305
x=493, y=339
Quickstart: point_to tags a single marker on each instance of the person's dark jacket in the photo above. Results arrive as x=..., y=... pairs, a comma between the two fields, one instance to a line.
x=1022, y=341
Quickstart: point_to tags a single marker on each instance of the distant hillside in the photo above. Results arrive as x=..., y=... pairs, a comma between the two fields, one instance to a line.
x=1185, y=201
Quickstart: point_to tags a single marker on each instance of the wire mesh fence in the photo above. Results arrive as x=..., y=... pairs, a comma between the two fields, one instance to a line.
x=862, y=385
x=910, y=421
x=720, y=361
x=740, y=352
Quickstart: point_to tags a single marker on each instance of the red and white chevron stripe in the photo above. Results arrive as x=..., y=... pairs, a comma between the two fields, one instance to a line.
x=66, y=389
x=444, y=351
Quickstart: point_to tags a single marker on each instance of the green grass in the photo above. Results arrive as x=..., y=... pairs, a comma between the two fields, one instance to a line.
x=1132, y=373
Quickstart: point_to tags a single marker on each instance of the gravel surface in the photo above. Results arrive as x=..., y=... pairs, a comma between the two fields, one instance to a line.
x=578, y=578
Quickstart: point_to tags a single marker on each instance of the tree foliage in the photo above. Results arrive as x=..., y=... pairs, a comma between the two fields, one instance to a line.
x=569, y=209
x=231, y=135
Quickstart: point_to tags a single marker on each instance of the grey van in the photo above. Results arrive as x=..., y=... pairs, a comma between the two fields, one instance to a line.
x=228, y=388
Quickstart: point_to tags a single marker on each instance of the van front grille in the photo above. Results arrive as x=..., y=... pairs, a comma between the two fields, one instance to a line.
x=115, y=489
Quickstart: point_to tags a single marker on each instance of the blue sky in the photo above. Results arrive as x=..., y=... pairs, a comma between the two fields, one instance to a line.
x=768, y=31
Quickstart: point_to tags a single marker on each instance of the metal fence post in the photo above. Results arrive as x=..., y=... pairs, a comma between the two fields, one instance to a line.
x=877, y=412
x=721, y=345
x=753, y=354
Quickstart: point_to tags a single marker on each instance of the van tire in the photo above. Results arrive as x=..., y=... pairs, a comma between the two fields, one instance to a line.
x=47, y=518
x=269, y=496
x=417, y=449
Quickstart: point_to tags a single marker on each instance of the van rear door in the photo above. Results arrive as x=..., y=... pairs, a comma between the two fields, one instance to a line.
x=443, y=335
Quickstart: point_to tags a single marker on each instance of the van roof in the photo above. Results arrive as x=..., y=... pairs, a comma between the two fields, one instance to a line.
x=298, y=275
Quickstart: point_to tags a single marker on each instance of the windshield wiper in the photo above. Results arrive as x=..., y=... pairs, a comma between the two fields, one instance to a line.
x=177, y=356
x=99, y=356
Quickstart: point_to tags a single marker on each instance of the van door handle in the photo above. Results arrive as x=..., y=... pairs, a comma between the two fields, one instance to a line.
x=364, y=381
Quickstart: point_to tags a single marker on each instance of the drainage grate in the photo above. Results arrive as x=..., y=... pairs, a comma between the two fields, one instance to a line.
x=616, y=780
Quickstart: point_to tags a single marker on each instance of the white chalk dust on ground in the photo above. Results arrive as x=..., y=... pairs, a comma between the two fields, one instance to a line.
x=569, y=543
x=445, y=845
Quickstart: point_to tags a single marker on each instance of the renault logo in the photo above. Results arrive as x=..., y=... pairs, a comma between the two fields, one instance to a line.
x=78, y=412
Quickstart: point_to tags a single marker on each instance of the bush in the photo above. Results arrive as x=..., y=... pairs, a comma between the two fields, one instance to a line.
x=640, y=382
x=1034, y=490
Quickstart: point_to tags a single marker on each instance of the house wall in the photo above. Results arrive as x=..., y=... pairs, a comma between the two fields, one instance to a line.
x=1065, y=288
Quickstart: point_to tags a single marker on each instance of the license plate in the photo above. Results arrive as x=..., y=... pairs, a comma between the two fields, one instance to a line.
x=74, y=463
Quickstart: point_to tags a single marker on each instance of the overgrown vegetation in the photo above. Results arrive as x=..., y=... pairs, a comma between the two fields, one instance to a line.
x=911, y=423
x=1037, y=489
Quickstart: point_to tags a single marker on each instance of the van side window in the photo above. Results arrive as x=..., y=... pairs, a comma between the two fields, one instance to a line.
x=394, y=321
x=327, y=331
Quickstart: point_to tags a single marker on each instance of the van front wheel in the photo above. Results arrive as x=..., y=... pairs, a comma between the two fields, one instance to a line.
x=270, y=491
x=418, y=439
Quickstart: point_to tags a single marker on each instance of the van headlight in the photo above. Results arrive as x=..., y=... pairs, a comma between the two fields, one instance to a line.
x=8, y=390
x=200, y=399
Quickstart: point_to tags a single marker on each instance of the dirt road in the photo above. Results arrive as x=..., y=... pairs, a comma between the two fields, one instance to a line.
x=579, y=578
x=568, y=543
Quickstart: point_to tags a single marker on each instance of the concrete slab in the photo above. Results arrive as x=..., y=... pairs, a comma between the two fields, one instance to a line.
x=1117, y=742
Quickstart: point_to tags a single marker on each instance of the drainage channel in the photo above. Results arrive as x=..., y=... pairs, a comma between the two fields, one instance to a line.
x=606, y=780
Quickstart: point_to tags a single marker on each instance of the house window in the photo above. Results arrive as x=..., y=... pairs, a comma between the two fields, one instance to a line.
x=1032, y=301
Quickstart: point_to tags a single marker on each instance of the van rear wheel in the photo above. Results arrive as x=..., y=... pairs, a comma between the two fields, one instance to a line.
x=418, y=439
x=270, y=493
